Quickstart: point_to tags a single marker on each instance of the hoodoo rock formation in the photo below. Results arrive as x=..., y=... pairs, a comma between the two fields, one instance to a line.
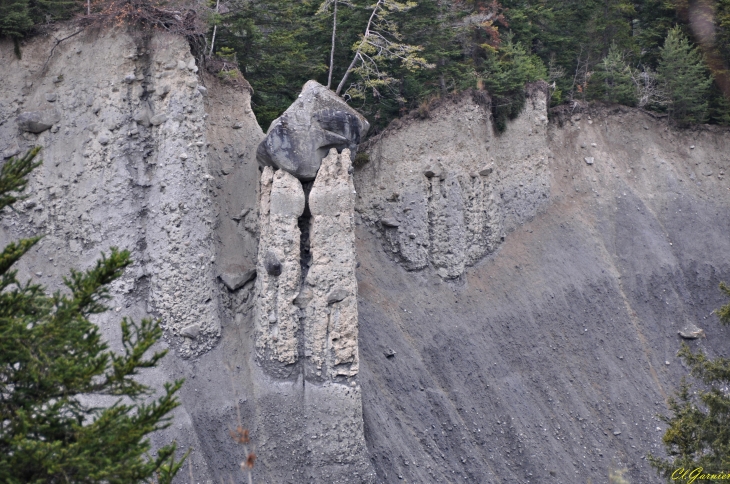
x=331, y=315
x=279, y=274
x=465, y=307
x=325, y=302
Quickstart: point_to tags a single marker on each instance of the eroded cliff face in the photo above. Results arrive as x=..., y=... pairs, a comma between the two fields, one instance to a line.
x=445, y=191
x=549, y=358
x=145, y=151
x=125, y=165
x=464, y=307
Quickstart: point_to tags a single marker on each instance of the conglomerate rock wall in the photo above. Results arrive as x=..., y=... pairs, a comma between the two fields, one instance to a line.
x=144, y=150
x=444, y=192
x=464, y=307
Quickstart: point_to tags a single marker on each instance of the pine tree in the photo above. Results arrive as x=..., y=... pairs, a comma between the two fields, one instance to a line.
x=699, y=428
x=611, y=81
x=15, y=18
x=685, y=78
x=51, y=355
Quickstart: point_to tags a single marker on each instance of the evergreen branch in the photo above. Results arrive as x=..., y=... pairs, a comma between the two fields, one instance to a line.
x=13, y=176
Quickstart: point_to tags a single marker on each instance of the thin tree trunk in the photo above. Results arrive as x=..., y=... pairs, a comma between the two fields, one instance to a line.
x=215, y=28
x=359, y=48
x=332, y=52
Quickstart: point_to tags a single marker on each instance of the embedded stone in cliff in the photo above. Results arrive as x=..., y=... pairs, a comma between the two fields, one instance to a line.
x=430, y=172
x=486, y=171
x=192, y=331
x=305, y=295
x=336, y=295
x=272, y=264
x=316, y=122
x=278, y=271
x=158, y=119
x=330, y=325
x=38, y=121
x=142, y=117
x=236, y=279
x=12, y=151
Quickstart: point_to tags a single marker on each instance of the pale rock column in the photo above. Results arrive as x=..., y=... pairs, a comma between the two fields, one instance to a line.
x=330, y=325
x=278, y=269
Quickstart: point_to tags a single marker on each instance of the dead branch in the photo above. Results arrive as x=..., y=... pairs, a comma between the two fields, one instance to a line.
x=45, y=64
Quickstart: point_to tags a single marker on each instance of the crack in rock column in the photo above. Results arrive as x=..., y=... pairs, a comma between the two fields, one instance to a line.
x=279, y=271
x=330, y=325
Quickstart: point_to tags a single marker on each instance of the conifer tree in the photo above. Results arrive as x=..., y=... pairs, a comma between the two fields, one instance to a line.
x=14, y=18
x=17, y=17
x=685, y=78
x=611, y=81
x=51, y=356
x=699, y=428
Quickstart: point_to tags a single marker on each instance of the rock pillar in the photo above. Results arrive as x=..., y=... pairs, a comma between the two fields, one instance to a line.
x=330, y=324
x=278, y=270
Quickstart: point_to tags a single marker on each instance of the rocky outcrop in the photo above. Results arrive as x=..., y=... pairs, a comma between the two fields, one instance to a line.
x=326, y=300
x=279, y=273
x=316, y=122
x=144, y=157
x=330, y=322
x=457, y=356
x=307, y=327
x=111, y=179
x=444, y=194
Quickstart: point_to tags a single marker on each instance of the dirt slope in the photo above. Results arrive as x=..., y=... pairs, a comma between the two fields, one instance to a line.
x=548, y=360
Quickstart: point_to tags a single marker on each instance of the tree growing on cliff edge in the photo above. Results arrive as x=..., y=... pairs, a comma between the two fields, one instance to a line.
x=51, y=355
x=699, y=428
x=379, y=44
x=612, y=80
x=685, y=78
x=17, y=17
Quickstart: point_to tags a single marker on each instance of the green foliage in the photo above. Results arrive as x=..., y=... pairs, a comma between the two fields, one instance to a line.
x=654, y=19
x=379, y=46
x=608, y=50
x=719, y=107
x=51, y=356
x=611, y=82
x=361, y=158
x=279, y=46
x=699, y=434
x=505, y=74
x=685, y=78
x=17, y=17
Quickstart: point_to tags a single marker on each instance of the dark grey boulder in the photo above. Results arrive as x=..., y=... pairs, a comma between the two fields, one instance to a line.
x=317, y=121
x=272, y=264
x=38, y=121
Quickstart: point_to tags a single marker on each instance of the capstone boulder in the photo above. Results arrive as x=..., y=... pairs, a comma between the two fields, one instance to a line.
x=317, y=121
